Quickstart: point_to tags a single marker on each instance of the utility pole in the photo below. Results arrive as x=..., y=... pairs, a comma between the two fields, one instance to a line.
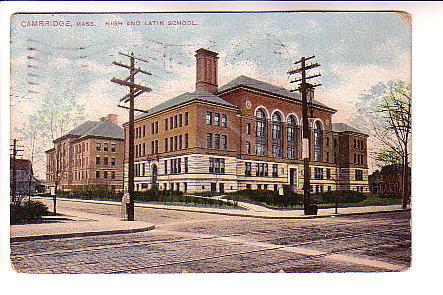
x=134, y=91
x=15, y=150
x=305, y=89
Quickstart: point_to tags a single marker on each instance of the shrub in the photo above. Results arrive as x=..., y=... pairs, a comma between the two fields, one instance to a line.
x=270, y=198
x=29, y=211
x=93, y=192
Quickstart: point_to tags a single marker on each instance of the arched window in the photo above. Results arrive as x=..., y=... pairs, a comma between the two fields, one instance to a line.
x=276, y=135
x=261, y=133
x=292, y=137
x=318, y=141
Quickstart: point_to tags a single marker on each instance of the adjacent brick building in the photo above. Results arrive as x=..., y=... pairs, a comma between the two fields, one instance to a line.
x=389, y=180
x=90, y=155
x=245, y=134
x=25, y=180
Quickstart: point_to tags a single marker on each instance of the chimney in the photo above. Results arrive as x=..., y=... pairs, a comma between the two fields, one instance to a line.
x=206, y=61
x=111, y=118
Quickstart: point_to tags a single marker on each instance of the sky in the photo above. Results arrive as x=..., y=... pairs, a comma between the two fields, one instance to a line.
x=73, y=64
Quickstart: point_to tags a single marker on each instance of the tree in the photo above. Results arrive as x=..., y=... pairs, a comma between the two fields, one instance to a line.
x=387, y=110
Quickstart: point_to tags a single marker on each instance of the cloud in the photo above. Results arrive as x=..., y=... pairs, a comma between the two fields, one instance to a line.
x=356, y=79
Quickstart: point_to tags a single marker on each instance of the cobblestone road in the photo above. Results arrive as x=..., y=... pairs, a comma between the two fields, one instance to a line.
x=196, y=242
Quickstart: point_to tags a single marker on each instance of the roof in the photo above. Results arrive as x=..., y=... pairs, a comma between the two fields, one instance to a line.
x=104, y=128
x=184, y=98
x=343, y=127
x=266, y=87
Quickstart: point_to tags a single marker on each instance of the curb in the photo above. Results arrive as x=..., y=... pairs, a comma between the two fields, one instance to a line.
x=142, y=205
x=81, y=234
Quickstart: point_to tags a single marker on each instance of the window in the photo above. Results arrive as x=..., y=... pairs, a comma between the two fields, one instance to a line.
x=248, y=128
x=327, y=156
x=152, y=147
x=261, y=149
x=276, y=150
x=152, y=128
x=209, y=140
x=186, y=118
x=105, y=161
x=335, y=142
x=262, y=169
x=113, y=146
x=156, y=146
x=171, y=143
x=105, y=174
x=211, y=165
x=318, y=142
x=248, y=147
x=105, y=147
x=224, y=120
x=355, y=158
x=112, y=161
x=274, y=170
x=261, y=133
x=156, y=128
x=355, y=143
x=248, y=169
x=171, y=123
x=112, y=174
x=166, y=124
x=186, y=141
x=166, y=166
x=175, y=143
x=144, y=149
x=217, y=165
x=166, y=144
x=217, y=141
x=327, y=141
x=186, y=164
x=292, y=129
x=291, y=152
x=99, y=146
x=144, y=130
x=208, y=118
x=248, y=186
x=318, y=173
x=358, y=174
x=97, y=174
x=328, y=173
x=217, y=119
x=97, y=161
x=276, y=127
x=225, y=142
x=175, y=121
x=180, y=120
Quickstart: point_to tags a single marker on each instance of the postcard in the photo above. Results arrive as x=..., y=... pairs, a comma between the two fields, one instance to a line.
x=210, y=142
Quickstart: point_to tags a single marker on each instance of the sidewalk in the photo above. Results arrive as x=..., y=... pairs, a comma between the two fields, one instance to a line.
x=255, y=210
x=76, y=224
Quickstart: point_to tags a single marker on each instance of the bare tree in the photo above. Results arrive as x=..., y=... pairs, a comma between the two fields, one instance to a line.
x=387, y=110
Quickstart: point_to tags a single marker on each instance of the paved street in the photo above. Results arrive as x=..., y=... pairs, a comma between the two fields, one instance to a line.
x=199, y=242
